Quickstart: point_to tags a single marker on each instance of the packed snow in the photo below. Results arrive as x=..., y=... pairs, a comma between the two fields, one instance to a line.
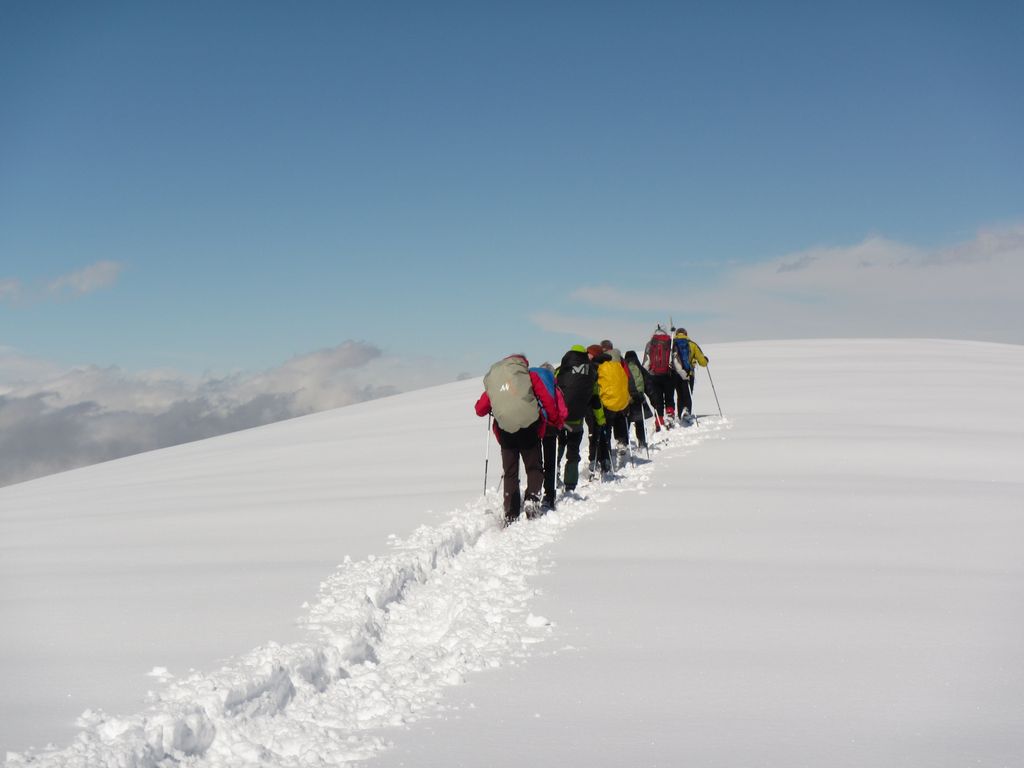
x=830, y=574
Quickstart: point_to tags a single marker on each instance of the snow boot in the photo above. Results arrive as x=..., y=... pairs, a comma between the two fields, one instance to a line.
x=622, y=453
x=572, y=475
x=531, y=505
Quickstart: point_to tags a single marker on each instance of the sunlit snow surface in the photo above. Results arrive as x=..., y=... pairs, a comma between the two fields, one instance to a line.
x=831, y=575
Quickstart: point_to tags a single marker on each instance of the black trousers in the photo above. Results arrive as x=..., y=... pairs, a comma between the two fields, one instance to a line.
x=525, y=445
x=674, y=394
x=571, y=440
x=599, y=443
x=684, y=393
x=661, y=389
x=618, y=424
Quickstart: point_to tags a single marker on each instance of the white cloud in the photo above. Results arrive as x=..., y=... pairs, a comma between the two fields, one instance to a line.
x=876, y=288
x=78, y=283
x=54, y=419
x=883, y=288
x=91, y=278
x=17, y=370
x=803, y=262
x=318, y=380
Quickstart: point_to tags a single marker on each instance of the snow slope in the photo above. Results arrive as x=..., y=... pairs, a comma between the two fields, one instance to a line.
x=831, y=577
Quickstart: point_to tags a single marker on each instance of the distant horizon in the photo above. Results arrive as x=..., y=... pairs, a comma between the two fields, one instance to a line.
x=114, y=414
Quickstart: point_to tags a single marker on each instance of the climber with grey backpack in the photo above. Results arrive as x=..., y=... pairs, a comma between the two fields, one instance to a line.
x=520, y=404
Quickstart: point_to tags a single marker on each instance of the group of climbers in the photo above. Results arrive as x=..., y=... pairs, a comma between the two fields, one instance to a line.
x=669, y=358
x=539, y=413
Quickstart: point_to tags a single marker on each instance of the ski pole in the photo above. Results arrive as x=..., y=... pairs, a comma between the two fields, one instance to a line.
x=708, y=369
x=629, y=446
x=487, y=451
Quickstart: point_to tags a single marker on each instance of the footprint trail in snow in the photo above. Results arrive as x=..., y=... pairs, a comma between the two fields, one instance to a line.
x=385, y=637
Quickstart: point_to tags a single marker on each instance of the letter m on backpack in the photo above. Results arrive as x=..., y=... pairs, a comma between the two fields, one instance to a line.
x=510, y=390
x=576, y=379
x=660, y=354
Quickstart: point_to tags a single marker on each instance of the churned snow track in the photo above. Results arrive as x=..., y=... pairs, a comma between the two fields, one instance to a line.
x=385, y=637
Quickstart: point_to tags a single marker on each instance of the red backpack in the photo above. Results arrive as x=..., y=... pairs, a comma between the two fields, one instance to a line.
x=660, y=354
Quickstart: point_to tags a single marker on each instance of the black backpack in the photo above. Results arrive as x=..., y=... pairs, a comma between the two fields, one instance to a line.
x=576, y=379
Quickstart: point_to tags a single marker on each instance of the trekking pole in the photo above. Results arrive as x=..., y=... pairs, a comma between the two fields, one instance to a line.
x=708, y=369
x=487, y=451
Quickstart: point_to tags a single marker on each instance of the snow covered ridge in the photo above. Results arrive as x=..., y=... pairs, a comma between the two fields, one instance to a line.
x=385, y=636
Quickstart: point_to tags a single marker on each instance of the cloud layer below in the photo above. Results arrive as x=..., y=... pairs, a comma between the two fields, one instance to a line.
x=53, y=419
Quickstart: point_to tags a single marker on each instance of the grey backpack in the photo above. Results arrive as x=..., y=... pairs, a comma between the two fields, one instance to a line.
x=510, y=390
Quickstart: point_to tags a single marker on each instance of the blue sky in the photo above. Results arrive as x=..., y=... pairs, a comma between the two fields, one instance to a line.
x=220, y=187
